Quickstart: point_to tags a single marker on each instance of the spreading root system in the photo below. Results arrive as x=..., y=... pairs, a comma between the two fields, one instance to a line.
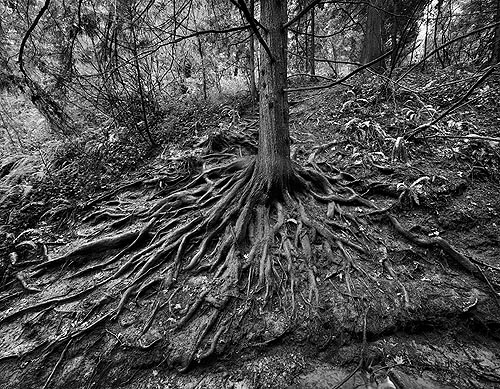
x=186, y=270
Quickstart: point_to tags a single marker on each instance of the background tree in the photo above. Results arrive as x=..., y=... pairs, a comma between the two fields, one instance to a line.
x=373, y=44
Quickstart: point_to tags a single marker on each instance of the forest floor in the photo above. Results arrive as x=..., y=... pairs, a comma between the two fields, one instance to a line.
x=414, y=315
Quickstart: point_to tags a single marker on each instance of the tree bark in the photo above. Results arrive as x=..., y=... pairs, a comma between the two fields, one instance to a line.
x=436, y=28
x=312, y=45
x=274, y=167
x=203, y=68
x=139, y=83
x=427, y=11
x=251, y=58
x=373, y=46
x=394, y=34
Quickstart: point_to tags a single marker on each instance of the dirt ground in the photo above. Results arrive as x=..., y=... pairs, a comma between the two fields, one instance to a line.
x=434, y=326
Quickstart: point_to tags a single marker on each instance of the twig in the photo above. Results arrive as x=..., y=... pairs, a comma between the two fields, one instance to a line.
x=241, y=5
x=485, y=264
x=351, y=374
x=27, y=36
x=341, y=80
x=301, y=14
x=425, y=126
x=471, y=137
x=444, y=45
x=57, y=364
x=426, y=90
x=492, y=288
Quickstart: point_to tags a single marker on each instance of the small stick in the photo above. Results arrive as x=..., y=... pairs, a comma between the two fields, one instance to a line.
x=57, y=365
x=425, y=126
x=471, y=137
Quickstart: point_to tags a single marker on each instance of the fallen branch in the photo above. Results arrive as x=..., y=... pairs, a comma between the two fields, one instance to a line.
x=469, y=137
x=340, y=80
x=425, y=126
x=431, y=53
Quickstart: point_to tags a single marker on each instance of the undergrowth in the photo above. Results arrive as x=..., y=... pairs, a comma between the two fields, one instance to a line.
x=67, y=171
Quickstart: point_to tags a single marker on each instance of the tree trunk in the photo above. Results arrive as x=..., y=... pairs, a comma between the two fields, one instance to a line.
x=373, y=46
x=251, y=59
x=139, y=84
x=274, y=167
x=436, y=28
x=427, y=11
x=203, y=68
x=59, y=121
x=394, y=35
x=312, y=45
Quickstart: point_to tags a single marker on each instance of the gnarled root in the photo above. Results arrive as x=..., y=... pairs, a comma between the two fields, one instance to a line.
x=227, y=246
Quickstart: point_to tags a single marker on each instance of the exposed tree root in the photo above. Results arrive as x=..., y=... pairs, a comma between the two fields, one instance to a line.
x=248, y=248
x=444, y=245
x=20, y=277
x=57, y=364
x=93, y=247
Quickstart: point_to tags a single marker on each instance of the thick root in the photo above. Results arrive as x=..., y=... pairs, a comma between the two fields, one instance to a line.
x=234, y=252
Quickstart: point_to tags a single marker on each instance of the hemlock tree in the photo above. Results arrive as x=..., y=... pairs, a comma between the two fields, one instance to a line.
x=237, y=237
x=273, y=165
